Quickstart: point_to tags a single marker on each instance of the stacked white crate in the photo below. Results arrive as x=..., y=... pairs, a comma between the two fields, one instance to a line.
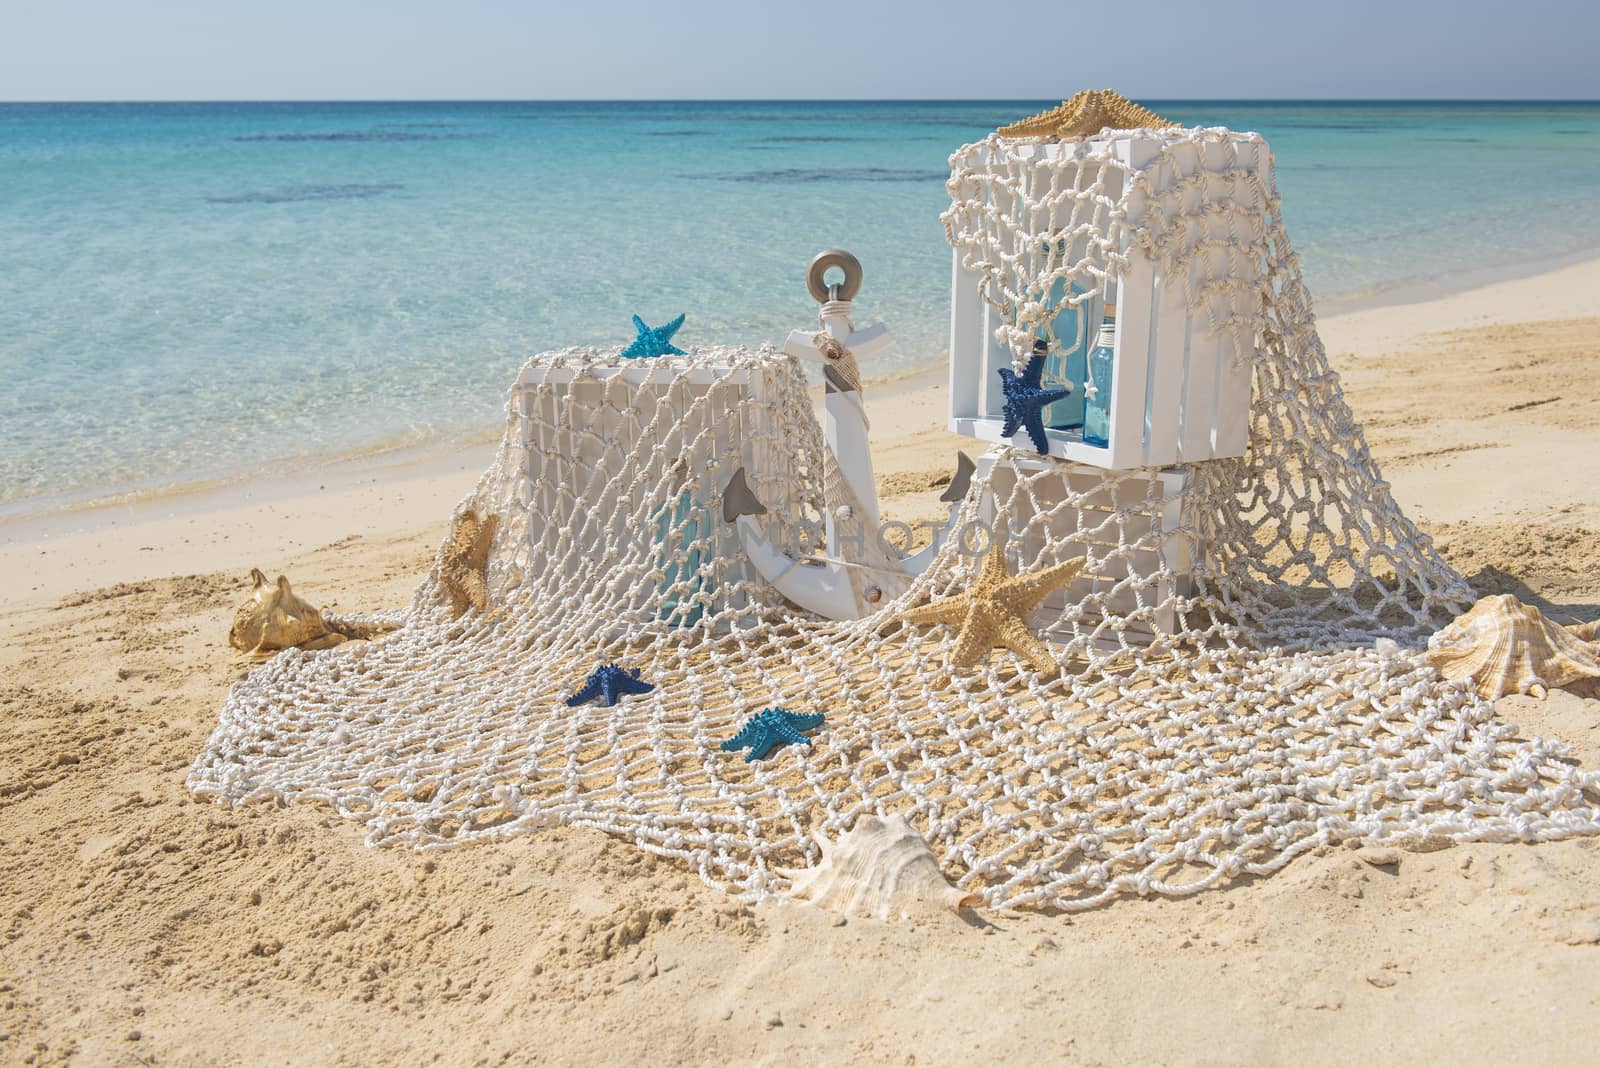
x=1179, y=393
x=1180, y=389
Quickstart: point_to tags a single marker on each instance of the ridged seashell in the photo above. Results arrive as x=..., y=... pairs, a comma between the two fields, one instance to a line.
x=882, y=868
x=275, y=618
x=1505, y=646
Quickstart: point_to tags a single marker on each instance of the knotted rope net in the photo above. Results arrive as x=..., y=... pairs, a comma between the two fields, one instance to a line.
x=1239, y=681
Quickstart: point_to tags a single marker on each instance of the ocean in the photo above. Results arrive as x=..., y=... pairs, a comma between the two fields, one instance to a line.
x=197, y=291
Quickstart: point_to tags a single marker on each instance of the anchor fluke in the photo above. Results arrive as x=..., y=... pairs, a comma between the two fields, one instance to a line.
x=739, y=499
x=960, y=482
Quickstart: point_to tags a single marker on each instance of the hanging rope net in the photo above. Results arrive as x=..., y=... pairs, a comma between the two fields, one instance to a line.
x=1238, y=676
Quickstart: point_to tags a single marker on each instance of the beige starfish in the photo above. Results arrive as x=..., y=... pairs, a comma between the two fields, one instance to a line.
x=466, y=559
x=1086, y=114
x=994, y=610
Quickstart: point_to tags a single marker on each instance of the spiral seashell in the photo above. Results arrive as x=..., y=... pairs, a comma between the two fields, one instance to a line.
x=274, y=617
x=1505, y=646
x=882, y=868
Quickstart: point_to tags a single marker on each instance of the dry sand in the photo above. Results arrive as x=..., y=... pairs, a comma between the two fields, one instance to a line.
x=141, y=926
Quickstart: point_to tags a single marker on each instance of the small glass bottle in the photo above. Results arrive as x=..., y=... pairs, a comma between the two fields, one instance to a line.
x=1097, y=389
x=678, y=528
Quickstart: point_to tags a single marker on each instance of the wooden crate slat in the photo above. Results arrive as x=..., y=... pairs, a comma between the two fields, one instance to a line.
x=1128, y=375
x=1235, y=372
x=966, y=326
x=1199, y=411
x=1168, y=346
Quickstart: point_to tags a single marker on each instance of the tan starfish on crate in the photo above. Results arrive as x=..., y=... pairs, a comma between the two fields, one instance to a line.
x=994, y=610
x=462, y=570
x=1086, y=114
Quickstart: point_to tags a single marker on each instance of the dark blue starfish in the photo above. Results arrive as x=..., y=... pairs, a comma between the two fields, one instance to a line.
x=1026, y=399
x=653, y=340
x=772, y=727
x=611, y=682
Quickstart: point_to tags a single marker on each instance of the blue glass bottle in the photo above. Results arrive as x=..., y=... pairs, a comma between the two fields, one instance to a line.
x=678, y=527
x=1097, y=390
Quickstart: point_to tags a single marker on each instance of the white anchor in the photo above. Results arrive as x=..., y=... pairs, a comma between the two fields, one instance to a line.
x=832, y=585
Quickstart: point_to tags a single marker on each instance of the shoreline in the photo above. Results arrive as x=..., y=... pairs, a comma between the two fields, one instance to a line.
x=1455, y=284
x=382, y=492
x=46, y=514
x=40, y=511
x=28, y=509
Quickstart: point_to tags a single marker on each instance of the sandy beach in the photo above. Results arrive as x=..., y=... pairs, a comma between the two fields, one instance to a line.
x=144, y=926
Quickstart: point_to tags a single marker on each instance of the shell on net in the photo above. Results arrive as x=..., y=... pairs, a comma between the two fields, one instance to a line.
x=1505, y=646
x=882, y=868
x=274, y=618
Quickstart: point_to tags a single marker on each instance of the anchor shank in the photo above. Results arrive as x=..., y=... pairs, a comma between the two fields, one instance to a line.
x=845, y=430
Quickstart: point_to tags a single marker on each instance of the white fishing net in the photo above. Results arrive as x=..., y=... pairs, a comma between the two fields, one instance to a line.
x=1238, y=677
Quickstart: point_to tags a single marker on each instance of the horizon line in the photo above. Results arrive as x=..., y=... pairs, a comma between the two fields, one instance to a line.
x=814, y=100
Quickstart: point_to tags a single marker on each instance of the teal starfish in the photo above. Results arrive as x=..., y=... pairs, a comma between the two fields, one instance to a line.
x=772, y=727
x=653, y=340
x=1026, y=399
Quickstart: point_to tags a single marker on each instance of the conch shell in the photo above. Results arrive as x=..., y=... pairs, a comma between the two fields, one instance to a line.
x=881, y=868
x=274, y=618
x=1505, y=646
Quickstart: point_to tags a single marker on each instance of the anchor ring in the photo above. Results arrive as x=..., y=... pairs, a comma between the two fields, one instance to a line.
x=821, y=262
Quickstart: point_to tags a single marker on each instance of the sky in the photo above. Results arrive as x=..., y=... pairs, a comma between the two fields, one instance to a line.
x=806, y=49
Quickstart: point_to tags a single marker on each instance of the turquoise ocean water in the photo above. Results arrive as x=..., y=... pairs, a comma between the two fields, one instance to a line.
x=189, y=291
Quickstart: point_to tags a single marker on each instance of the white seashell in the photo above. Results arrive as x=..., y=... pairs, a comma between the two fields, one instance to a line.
x=1505, y=646
x=882, y=868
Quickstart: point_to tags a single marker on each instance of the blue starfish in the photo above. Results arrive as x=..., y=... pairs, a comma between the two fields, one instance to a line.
x=1026, y=400
x=611, y=682
x=653, y=340
x=772, y=727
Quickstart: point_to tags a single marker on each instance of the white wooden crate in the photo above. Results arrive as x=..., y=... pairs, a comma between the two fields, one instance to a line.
x=585, y=429
x=1139, y=582
x=1178, y=393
